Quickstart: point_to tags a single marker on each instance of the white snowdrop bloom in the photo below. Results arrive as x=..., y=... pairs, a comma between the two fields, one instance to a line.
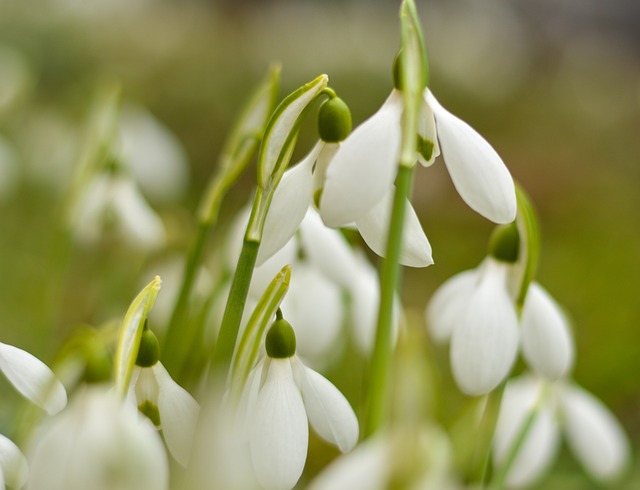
x=282, y=397
x=97, y=443
x=14, y=469
x=594, y=435
x=32, y=378
x=484, y=339
x=112, y=200
x=169, y=406
x=363, y=170
x=156, y=158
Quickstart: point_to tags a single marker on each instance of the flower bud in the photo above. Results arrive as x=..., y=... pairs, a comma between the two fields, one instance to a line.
x=149, y=351
x=334, y=120
x=504, y=244
x=281, y=340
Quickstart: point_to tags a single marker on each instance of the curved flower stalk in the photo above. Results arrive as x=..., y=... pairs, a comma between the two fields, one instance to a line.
x=32, y=378
x=362, y=172
x=14, y=469
x=169, y=406
x=593, y=434
x=97, y=443
x=281, y=398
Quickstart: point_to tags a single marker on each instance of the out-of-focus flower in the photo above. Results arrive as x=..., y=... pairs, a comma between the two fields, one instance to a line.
x=32, y=378
x=281, y=398
x=15, y=77
x=98, y=443
x=594, y=435
x=13, y=465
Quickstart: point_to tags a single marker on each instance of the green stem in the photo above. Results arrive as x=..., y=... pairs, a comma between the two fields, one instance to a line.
x=482, y=455
x=380, y=376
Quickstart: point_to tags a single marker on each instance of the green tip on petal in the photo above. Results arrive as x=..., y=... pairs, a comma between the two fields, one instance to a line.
x=425, y=148
x=334, y=120
x=150, y=411
x=281, y=340
x=504, y=244
x=149, y=351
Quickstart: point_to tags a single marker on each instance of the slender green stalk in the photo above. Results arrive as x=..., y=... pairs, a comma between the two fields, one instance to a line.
x=380, y=375
x=482, y=455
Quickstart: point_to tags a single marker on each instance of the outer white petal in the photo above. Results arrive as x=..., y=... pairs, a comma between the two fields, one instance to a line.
x=314, y=306
x=13, y=465
x=32, y=378
x=595, y=436
x=364, y=167
x=365, y=302
x=477, y=171
x=485, y=341
x=546, y=339
x=427, y=131
x=289, y=206
x=367, y=467
x=279, y=433
x=541, y=443
x=264, y=274
x=87, y=217
x=178, y=415
x=327, y=249
x=328, y=410
x=448, y=304
x=374, y=228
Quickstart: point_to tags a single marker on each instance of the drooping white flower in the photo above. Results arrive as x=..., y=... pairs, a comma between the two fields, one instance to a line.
x=32, y=378
x=364, y=169
x=112, y=200
x=13, y=465
x=594, y=435
x=97, y=443
x=282, y=397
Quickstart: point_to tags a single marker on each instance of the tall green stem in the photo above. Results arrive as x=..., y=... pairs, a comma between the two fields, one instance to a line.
x=380, y=375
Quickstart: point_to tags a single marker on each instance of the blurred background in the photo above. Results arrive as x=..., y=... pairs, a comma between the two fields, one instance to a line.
x=553, y=85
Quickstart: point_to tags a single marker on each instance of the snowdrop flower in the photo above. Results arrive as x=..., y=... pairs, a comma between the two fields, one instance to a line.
x=593, y=434
x=362, y=172
x=282, y=397
x=32, y=378
x=97, y=443
x=301, y=185
x=168, y=405
x=112, y=199
x=13, y=465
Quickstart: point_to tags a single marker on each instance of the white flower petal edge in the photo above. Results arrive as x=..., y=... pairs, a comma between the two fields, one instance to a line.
x=289, y=206
x=365, y=301
x=374, y=228
x=542, y=441
x=178, y=415
x=364, y=167
x=595, y=436
x=448, y=303
x=427, y=131
x=484, y=343
x=31, y=377
x=280, y=432
x=547, y=344
x=328, y=410
x=477, y=171
x=13, y=465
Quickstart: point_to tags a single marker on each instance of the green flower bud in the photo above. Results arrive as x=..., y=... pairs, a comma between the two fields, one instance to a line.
x=504, y=244
x=280, y=341
x=149, y=351
x=98, y=366
x=334, y=120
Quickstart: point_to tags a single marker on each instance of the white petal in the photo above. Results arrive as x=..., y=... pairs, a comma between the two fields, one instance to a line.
x=367, y=467
x=289, y=206
x=327, y=249
x=478, y=173
x=365, y=302
x=364, y=167
x=32, y=378
x=13, y=465
x=448, y=303
x=264, y=274
x=178, y=415
x=541, y=443
x=546, y=339
x=313, y=306
x=485, y=341
x=328, y=410
x=374, y=228
x=595, y=436
x=279, y=433
x=146, y=385
x=427, y=131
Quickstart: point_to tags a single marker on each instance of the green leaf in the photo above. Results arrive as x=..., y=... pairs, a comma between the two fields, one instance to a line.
x=130, y=334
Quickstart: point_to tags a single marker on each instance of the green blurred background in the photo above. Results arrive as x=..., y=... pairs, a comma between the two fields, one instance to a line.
x=554, y=86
